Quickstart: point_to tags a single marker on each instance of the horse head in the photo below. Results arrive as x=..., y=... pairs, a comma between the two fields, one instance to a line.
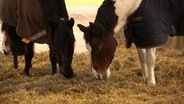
x=101, y=45
x=62, y=39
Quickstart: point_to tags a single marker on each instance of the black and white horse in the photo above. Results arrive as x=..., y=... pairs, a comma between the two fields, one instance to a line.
x=148, y=24
x=41, y=21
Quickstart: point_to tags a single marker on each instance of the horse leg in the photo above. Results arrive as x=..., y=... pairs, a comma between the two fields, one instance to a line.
x=28, y=57
x=15, y=55
x=68, y=57
x=142, y=60
x=150, y=60
x=15, y=60
x=68, y=72
x=53, y=60
x=147, y=61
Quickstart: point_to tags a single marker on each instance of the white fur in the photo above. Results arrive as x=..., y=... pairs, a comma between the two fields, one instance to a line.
x=101, y=76
x=97, y=75
x=108, y=73
x=124, y=8
x=5, y=48
x=147, y=61
x=88, y=47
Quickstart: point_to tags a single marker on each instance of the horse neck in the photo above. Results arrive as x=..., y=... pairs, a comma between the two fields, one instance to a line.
x=124, y=8
x=63, y=12
x=54, y=9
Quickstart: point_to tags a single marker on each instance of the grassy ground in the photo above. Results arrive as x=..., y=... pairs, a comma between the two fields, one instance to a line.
x=83, y=2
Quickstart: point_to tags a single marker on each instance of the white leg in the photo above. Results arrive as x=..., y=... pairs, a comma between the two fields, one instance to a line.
x=150, y=60
x=142, y=60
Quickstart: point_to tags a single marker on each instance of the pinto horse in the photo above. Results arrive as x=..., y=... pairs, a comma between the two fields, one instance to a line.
x=42, y=21
x=148, y=24
x=12, y=43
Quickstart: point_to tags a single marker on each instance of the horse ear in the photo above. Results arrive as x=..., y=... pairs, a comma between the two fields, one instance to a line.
x=85, y=30
x=71, y=22
x=92, y=26
x=82, y=27
x=94, y=29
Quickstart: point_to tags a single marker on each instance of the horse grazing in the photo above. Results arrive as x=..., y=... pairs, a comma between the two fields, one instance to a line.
x=12, y=43
x=147, y=23
x=47, y=22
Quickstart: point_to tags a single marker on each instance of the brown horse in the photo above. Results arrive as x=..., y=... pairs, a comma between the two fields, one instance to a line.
x=148, y=24
x=42, y=21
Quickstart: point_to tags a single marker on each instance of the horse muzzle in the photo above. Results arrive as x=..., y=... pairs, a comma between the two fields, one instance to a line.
x=101, y=76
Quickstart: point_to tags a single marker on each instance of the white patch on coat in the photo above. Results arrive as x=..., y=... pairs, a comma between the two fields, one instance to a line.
x=124, y=8
x=5, y=48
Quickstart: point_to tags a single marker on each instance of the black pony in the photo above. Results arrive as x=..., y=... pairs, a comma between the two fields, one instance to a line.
x=56, y=30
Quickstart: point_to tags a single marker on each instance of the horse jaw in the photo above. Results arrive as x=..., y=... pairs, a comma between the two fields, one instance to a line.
x=124, y=8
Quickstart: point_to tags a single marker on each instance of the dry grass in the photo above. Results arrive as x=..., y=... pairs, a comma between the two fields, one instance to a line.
x=125, y=85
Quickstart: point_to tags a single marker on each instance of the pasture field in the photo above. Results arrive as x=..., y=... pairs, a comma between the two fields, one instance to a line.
x=125, y=85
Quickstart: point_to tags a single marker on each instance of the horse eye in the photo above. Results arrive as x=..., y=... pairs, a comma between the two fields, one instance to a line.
x=97, y=49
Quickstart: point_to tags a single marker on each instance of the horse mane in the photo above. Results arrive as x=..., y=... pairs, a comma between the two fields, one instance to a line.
x=106, y=16
x=53, y=10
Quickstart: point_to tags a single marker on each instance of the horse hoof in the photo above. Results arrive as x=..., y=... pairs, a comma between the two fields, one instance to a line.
x=53, y=73
x=68, y=74
x=16, y=67
x=26, y=73
x=151, y=84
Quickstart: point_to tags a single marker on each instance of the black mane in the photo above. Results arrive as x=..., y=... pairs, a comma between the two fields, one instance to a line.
x=106, y=16
x=53, y=10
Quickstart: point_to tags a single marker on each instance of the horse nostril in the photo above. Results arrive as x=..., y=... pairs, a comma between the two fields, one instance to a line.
x=99, y=77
